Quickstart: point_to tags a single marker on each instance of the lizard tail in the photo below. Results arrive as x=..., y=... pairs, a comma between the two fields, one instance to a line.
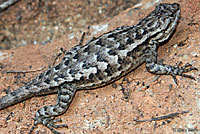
x=14, y=97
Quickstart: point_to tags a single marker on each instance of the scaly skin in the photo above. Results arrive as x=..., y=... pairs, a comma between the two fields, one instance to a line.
x=101, y=61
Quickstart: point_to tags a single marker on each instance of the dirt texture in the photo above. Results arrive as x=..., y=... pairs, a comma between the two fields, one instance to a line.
x=43, y=21
x=107, y=110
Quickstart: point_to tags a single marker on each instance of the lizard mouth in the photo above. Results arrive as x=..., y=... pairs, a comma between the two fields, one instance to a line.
x=173, y=25
x=168, y=15
x=175, y=13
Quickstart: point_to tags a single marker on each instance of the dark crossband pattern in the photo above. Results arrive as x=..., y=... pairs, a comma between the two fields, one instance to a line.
x=101, y=61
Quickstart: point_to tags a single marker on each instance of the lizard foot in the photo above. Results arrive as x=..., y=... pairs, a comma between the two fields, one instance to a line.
x=177, y=70
x=49, y=122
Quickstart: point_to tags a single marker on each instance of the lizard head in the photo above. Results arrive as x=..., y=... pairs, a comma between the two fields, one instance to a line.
x=161, y=22
x=168, y=16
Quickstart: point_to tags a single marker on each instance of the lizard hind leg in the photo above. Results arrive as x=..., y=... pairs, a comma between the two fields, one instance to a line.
x=46, y=115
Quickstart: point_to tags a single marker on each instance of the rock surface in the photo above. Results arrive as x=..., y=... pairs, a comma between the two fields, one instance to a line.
x=103, y=110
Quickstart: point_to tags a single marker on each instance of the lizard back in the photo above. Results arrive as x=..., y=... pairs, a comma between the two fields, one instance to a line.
x=103, y=59
x=115, y=53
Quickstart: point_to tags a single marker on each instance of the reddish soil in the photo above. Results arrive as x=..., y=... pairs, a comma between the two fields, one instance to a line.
x=103, y=110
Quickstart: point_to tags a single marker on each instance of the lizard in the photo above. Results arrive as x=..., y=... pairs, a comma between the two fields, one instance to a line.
x=101, y=61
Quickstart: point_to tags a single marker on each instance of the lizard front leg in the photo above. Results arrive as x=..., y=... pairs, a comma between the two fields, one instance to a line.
x=47, y=114
x=163, y=69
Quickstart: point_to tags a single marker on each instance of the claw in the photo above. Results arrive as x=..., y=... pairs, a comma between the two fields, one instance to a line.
x=63, y=50
x=57, y=120
x=178, y=64
x=50, y=126
x=186, y=65
x=33, y=127
x=175, y=80
x=188, y=76
x=194, y=68
x=182, y=70
x=60, y=126
x=49, y=123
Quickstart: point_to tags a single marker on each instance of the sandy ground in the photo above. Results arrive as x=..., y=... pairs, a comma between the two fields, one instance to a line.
x=104, y=110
